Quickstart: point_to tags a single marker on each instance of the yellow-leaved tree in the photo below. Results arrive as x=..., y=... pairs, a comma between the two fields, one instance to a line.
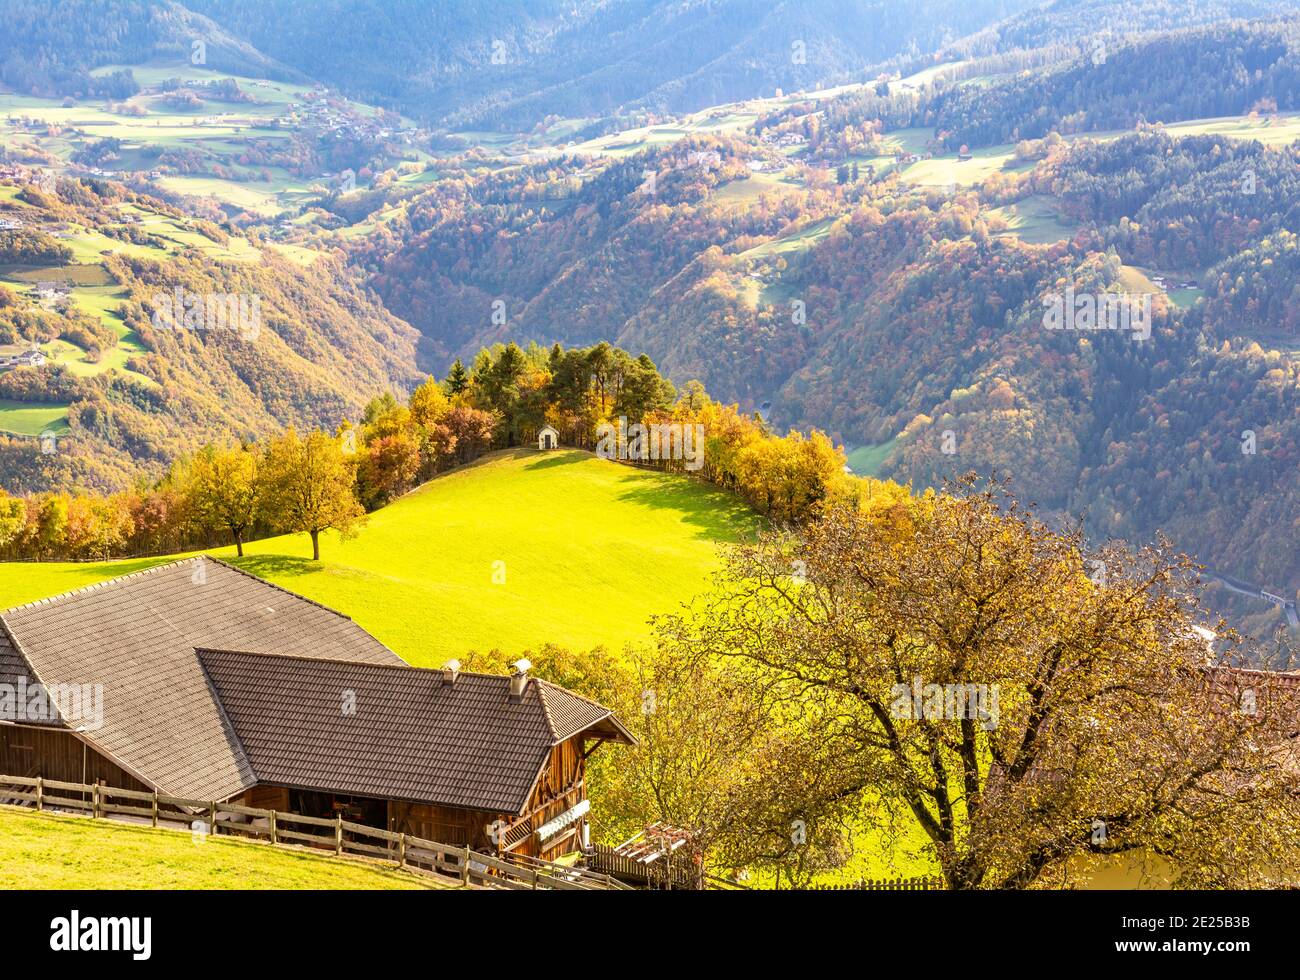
x=308, y=484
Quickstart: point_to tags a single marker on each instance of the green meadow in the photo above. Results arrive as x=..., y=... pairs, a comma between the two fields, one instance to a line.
x=516, y=550
x=40, y=851
x=867, y=460
x=1035, y=219
x=32, y=418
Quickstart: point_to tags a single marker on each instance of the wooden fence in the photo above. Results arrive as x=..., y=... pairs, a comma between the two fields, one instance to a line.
x=335, y=836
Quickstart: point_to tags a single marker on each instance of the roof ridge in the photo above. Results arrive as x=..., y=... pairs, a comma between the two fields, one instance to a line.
x=349, y=663
x=1291, y=674
x=228, y=726
x=574, y=694
x=546, y=709
x=17, y=647
x=93, y=586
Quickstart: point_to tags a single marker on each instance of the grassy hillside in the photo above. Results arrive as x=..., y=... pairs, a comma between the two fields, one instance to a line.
x=48, y=851
x=589, y=549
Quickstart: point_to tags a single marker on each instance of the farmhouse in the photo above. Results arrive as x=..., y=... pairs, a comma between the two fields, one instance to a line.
x=208, y=683
x=11, y=357
x=48, y=291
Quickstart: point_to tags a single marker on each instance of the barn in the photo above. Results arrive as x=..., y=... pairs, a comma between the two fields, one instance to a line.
x=198, y=680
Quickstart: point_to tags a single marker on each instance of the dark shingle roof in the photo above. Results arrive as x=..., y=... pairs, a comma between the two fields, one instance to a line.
x=408, y=735
x=137, y=636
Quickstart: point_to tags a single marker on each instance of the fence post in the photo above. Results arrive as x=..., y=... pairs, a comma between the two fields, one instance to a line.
x=274, y=831
x=154, y=815
x=534, y=879
x=338, y=835
x=212, y=818
x=94, y=800
x=40, y=793
x=401, y=851
x=464, y=866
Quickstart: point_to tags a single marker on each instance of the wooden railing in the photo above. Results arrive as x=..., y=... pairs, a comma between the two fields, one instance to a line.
x=335, y=836
x=596, y=879
x=663, y=873
x=885, y=885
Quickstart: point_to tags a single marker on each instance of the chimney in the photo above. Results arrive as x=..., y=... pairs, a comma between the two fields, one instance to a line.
x=450, y=671
x=519, y=678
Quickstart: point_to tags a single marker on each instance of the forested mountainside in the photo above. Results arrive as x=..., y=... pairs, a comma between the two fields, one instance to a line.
x=892, y=315
x=1121, y=83
x=511, y=64
x=48, y=47
x=1101, y=83
x=1071, y=22
x=140, y=372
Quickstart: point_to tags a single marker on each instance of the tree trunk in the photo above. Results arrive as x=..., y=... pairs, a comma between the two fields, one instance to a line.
x=239, y=544
x=315, y=546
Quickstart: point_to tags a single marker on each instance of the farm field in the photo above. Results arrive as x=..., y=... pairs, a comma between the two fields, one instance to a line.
x=31, y=419
x=146, y=123
x=1035, y=220
x=866, y=460
x=747, y=191
x=947, y=170
x=44, y=851
x=1280, y=131
x=588, y=549
x=799, y=241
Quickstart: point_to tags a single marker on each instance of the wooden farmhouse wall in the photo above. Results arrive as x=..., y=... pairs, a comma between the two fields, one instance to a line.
x=56, y=754
x=560, y=787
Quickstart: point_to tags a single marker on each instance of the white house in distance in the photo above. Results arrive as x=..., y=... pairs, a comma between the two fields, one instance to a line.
x=14, y=357
x=548, y=438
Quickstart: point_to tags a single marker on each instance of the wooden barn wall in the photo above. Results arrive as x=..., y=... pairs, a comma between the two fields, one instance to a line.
x=53, y=754
x=265, y=798
x=556, y=792
x=444, y=824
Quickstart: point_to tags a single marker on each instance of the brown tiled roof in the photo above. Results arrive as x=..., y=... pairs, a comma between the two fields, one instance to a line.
x=137, y=636
x=396, y=732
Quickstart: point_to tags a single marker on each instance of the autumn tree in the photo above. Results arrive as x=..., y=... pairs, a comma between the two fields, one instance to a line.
x=13, y=518
x=1025, y=704
x=307, y=484
x=388, y=467
x=225, y=490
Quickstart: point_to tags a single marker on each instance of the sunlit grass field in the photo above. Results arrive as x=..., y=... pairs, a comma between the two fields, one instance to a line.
x=39, y=851
x=516, y=550
x=31, y=419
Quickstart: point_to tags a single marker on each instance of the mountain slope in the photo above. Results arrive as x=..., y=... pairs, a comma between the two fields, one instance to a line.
x=134, y=379
x=48, y=47
x=511, y=64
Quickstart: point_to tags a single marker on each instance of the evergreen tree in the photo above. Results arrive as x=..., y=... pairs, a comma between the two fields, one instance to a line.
x=457, y=379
